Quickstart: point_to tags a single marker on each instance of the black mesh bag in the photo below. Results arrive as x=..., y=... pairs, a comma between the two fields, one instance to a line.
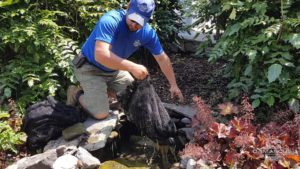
x=45, y=121
x=145, y=109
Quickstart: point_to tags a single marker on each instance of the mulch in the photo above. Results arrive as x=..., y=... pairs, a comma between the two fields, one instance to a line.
x=195, y=77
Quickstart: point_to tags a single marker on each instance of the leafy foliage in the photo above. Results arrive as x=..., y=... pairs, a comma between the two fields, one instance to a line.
x=241, y=144
x=10, y=124
x=167, y=28
x=29, y=41
x=260, y=41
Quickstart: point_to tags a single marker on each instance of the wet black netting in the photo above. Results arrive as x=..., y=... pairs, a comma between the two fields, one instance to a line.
x=145, y=109
x=45, y=121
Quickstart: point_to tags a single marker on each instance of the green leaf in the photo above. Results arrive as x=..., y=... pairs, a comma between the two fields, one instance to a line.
x=232, y=14
x=248, y=70
x=226, y=7
x=233, y=93
x=232, y=29
x=251, y=55
x=7, y=92
x=265, y=50
x=8, y=2
x=274, y=72
x=52, y=90
x=255, y=96
x=255, y=103
x=260, y=7
x=294, y=105
x=4, y=115
x=294, y=39
x=270, y=101
x=30, y=82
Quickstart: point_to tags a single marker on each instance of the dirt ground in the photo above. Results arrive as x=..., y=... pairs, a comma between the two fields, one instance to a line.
x=195, y=77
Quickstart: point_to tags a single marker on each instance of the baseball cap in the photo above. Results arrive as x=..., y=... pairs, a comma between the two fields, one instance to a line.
x=140, y=11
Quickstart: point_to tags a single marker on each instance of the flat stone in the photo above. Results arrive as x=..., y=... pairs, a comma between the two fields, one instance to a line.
x=53, y=144
x=88, y=161
x=73, y=131
x=99, y=131
x=185, y=110
x=38, y=161
x=66, y=162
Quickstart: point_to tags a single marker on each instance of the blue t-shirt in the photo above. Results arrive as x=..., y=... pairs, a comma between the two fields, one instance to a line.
x=112, y=29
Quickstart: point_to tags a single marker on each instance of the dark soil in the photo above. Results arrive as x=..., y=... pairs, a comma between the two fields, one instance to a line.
x=7, y=158
x=195, y=77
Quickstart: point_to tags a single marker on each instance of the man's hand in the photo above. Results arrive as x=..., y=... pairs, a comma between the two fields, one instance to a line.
x=139, y=71
x=176, y=92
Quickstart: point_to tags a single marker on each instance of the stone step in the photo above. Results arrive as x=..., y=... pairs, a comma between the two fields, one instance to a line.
x=97, y=133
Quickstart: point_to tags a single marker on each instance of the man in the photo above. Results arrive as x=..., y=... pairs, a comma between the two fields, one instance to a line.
x=115, y=37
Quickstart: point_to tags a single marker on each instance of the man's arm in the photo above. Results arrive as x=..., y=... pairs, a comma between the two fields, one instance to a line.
x=107, y=58
x=166, y=67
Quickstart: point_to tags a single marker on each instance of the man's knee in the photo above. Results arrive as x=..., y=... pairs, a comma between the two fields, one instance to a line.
x=101, y=116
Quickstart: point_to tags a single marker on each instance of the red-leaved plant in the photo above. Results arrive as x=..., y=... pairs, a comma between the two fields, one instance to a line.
x=240, y=144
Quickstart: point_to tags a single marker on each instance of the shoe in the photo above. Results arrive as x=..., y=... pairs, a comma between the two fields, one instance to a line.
x=72, y=95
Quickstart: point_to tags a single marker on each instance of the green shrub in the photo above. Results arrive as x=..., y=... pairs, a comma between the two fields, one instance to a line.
x=260, y=43
x=9, y=137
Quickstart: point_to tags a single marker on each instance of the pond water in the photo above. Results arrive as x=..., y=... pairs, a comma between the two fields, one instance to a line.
x=129, y=151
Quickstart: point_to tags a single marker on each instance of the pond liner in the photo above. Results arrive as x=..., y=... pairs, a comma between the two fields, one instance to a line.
x=144, y=108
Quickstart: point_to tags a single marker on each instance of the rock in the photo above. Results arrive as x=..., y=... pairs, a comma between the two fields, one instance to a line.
x=88, y=161
x=39, y=161
x=113, y=164
x=123, y=164
x=191, y=164
x=175, y=165
x=186, y=121
x=53, y=144
x=99, y=131
x=60, y=158
x=142, y=141
x=66, y=162
x=185, y=110
x=69, y=150
x=184, y=161
x=73, y=131
x=189, y=132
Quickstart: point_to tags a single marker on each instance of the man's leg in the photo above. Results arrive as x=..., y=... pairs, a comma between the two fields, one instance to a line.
x=120, y=81
x=94, y=84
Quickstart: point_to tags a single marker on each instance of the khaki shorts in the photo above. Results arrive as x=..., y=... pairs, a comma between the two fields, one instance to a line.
x=95, y=83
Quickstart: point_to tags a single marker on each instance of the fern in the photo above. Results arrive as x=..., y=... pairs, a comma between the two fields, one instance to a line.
x=68, y=49
x=273, y=29
x=285, y=6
